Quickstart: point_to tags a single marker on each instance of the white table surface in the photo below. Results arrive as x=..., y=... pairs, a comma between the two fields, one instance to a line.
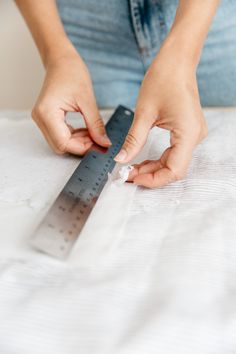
x=158, y=277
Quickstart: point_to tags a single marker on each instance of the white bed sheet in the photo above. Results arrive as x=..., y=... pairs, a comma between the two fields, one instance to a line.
x=158, y=277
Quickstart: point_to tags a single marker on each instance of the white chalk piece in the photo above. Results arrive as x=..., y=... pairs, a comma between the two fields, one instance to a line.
x=124, y=174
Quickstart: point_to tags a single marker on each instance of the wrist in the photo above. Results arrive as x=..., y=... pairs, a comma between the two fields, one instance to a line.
x=171, y=68
x=54, y=53
x=183, y=50
x=185, y=45
x=189, y=30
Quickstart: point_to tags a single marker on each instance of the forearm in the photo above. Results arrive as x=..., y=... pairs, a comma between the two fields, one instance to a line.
x=47, y=30
x=190, y=27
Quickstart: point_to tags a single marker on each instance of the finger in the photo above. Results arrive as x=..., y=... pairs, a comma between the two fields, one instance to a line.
x=80, y=139
x=81, y=131
x=59, y=136
x=70, y=128
x=173, y=166
x=137, y=135
x=79, y=145
x=147, y=166
x=95, y=125
x=83, y=139
x=135, y=171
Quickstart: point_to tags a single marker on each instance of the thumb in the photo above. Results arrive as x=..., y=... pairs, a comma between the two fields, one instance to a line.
x=95, y=125
x=137, y=135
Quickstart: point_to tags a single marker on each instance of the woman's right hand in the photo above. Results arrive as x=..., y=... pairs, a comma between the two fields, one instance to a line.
x=68, y=88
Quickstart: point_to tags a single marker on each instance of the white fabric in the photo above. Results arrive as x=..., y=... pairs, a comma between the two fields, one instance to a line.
x=154, y=271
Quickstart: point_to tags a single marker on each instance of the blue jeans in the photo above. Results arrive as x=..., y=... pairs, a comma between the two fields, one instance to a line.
x=118, y=40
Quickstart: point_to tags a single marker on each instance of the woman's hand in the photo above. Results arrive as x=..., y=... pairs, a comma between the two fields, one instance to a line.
x=168, y=99
x=68, y=88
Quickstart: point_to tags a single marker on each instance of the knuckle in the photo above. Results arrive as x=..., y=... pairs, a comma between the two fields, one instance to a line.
x=200, y=133
x=34, y=114
x=60, y=147
x=131, y=140
x=145, y=112
x=39, y=112
x=98, y=124
x=178, y=175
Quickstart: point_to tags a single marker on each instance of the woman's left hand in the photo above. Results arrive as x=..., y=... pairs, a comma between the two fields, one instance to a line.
x=168, y=99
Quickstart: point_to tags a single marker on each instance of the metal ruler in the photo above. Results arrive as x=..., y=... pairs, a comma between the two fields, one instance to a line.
x=63, y=223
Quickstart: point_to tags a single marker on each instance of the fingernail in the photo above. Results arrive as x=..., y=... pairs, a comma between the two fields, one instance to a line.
x=121, y=156
x=106, y=140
